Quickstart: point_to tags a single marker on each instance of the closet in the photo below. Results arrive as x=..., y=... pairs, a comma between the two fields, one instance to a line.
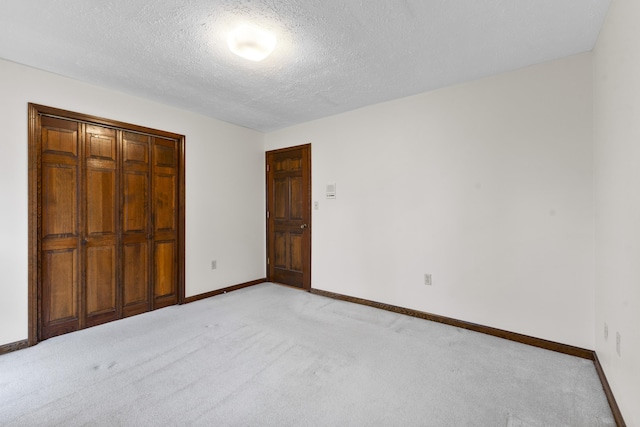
x=106, y=220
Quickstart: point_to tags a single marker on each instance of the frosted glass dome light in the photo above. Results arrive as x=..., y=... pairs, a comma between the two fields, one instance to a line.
x=251, y=42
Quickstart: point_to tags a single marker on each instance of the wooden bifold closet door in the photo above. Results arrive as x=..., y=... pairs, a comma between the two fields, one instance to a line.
x=106, y=221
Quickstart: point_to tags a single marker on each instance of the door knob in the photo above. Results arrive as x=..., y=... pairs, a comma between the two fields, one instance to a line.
x=304, y=226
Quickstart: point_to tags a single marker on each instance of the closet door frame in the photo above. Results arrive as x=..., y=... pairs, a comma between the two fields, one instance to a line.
x=35, y=111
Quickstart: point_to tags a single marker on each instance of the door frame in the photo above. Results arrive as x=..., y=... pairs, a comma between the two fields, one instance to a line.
x=306, y=276
x=34, y=209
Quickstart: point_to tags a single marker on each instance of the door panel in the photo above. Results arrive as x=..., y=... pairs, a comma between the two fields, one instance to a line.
x=135, y=149
x=101, y=202
x=280, y=198
x=59, y=136
x=136, y=229
x=101, y=274
x=164, y=190
x=136, y=193
x=59, y=257
x=59, y=184
x=295, y=259
x=61, y=284
x=165, y=153
x=165, y=288
x=165, y=197
x=101, y=143
x=101, y=226
x=279, y=257
x=296, y=195
x=289, y=216
x=136, y=274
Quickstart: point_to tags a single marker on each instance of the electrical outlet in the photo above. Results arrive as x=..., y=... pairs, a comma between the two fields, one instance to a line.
x=606, y=331
x=618, y=339
x=214, y=264
x=427, y=279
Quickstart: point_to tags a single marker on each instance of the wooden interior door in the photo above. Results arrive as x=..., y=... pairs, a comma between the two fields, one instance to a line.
x=60, y=256
x=165, y=222
x=136, y=227
x=100, y=237
x=289, y=216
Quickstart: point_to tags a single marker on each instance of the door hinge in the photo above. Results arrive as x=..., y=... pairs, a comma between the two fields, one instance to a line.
x=267, y=214
x=268, y=168
x=267, y=260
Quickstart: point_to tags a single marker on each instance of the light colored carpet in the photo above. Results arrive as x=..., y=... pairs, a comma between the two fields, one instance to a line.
x=273, y=356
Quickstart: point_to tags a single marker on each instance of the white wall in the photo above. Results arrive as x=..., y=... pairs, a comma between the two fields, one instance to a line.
x=617, y=154
x=485, y=185
x=224, y=185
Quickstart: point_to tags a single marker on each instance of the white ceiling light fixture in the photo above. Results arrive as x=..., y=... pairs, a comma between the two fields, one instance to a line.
x=251, y=42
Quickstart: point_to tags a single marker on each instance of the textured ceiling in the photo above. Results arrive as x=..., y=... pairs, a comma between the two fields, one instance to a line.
x=332, y=56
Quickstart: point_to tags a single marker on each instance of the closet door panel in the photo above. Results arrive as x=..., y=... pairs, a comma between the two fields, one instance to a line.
x=101, y=226
x=136, y=229
x=59, y=257
x=101, y=202
x=60, y=291
x=165, y=226
x=101, y=274
x=59, y=137
x=165, y=285
x=165, y=208
x=59, y=207
x=136, y=193
x=136, y=273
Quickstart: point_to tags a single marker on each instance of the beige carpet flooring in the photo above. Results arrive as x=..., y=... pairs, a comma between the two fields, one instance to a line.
x=274, y=356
